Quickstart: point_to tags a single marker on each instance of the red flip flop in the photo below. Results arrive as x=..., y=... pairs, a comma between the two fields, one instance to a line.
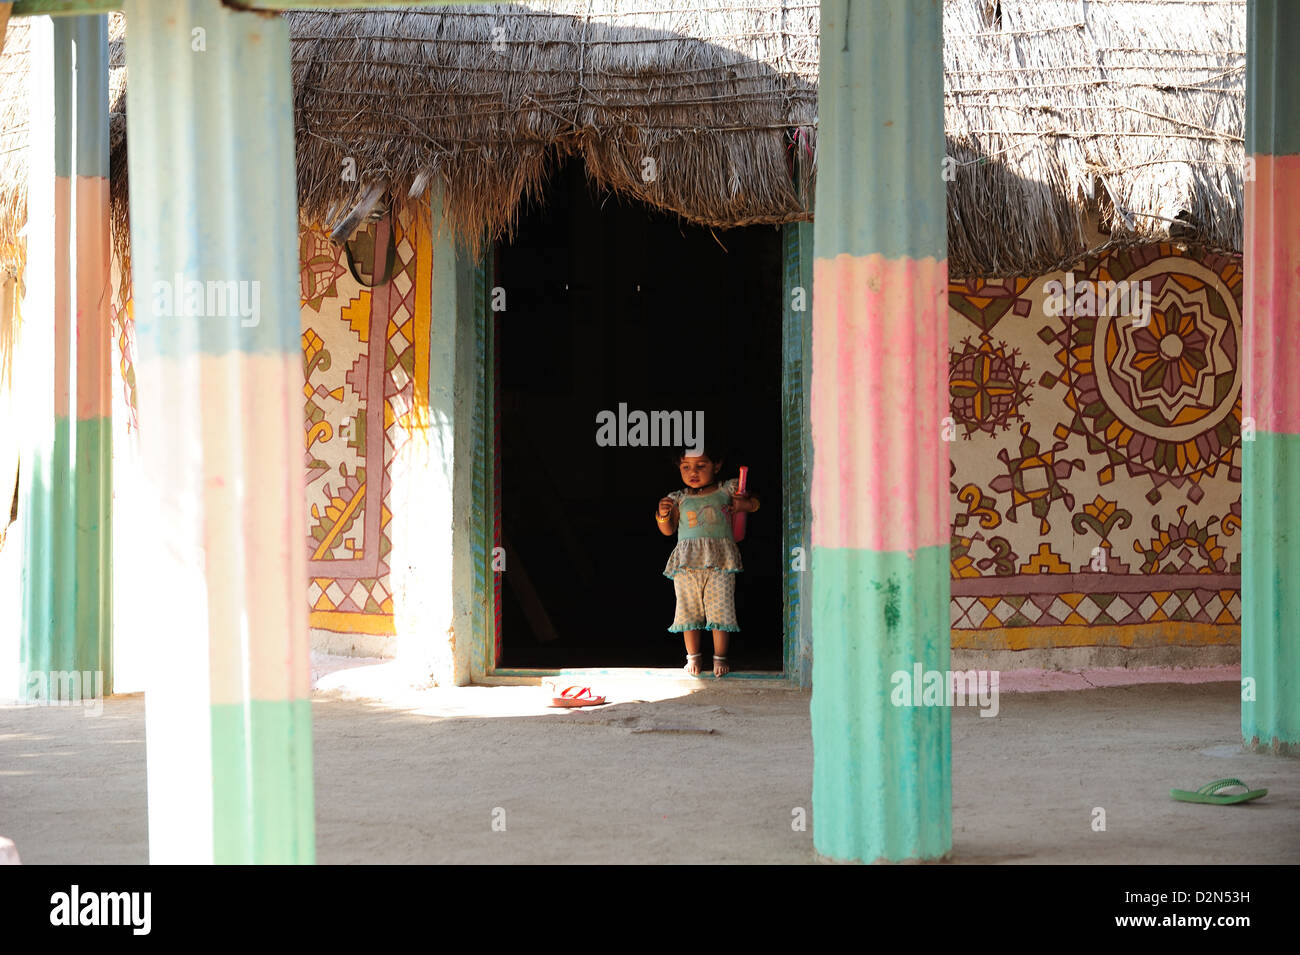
x=576, y=696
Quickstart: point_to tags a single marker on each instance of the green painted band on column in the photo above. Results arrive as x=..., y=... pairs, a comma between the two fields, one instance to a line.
x=882, y=784
x=1270, y=589
x=67, y=567
x=263, y=812
x=1272, y=83
x=48, y=572
x=880, y=147
x=93, y=492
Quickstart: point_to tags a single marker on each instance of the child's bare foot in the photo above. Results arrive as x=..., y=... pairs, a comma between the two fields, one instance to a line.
x=693, y=663
x=720, y=667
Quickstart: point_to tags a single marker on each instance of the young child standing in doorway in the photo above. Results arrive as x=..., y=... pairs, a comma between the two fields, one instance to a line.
x=704, y=564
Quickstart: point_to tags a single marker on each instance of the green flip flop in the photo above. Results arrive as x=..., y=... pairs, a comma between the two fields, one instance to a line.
x=1209, y=793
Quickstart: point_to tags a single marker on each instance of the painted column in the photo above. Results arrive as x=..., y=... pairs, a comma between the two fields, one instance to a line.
x=437, y=546
x=66, y=462
x=881, y=771
x=219, y=383
x=1270, y=491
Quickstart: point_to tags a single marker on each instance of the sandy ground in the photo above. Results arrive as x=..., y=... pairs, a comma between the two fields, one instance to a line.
x=711, y=776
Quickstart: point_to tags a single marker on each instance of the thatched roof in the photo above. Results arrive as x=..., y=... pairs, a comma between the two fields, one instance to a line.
x=485, y=96
x=1129, y=112
x=1062, y=116
x=689, y=105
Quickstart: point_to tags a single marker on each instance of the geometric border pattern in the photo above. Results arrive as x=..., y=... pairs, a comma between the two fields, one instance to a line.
x=1190, y=605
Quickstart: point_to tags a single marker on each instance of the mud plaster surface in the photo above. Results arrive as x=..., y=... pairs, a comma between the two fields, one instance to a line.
x=708, y=777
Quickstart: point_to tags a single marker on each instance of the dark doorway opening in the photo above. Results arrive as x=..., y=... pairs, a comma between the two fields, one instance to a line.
x=610, y=302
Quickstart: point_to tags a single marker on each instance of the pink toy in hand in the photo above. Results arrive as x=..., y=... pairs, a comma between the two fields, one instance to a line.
x=738, y=517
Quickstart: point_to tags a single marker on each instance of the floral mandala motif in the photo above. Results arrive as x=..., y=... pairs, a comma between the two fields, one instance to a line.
x=986, y=387
x=1161, y=398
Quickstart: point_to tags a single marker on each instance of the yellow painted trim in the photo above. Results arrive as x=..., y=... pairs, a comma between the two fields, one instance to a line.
x=1136, y=635
x=377, y=624
x=421, y=229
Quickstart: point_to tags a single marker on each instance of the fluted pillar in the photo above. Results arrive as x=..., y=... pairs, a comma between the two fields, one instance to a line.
x=65, y=408
x=219, y=382
x=1270, y=486
x=881, y=772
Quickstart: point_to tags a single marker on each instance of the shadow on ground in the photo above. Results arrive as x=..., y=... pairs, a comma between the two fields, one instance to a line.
x=709, y=777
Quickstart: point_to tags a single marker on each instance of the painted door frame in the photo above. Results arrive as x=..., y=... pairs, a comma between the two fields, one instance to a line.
x=796, y=455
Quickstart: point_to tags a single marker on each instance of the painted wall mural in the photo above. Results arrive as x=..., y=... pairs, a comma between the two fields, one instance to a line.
x=365, y=360
x=1096, y=473
x=359, y=405
x=1095, y=467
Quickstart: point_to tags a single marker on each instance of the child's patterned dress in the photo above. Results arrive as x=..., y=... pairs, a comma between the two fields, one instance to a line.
x=705, y=561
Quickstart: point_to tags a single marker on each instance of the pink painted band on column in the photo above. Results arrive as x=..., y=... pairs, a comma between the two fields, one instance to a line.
x=1270, y=382
x=94, y=289
x=227, y=423
x=879, y=400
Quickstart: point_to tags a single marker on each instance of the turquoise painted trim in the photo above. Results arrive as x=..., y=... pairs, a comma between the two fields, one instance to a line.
x=455, y=394
x=481, y=508
x=796, y=449
x=89, y=35
x=486, y=276
x=872, y=76
x=263, y=806
x=223, y=195
x=1272, y=83
x=1270, y=591
x=882, y=777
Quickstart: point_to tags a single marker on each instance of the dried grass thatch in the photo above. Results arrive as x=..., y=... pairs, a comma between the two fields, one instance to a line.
x=1128, y=115
x=689, y=105
x=693, y=106
x=1063, y=117
x=13, y=143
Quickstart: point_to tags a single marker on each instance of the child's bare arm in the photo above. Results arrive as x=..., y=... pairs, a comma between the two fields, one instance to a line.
x=666, y=517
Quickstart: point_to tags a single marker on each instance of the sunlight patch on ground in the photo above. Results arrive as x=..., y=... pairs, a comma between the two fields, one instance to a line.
x=392, y=684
